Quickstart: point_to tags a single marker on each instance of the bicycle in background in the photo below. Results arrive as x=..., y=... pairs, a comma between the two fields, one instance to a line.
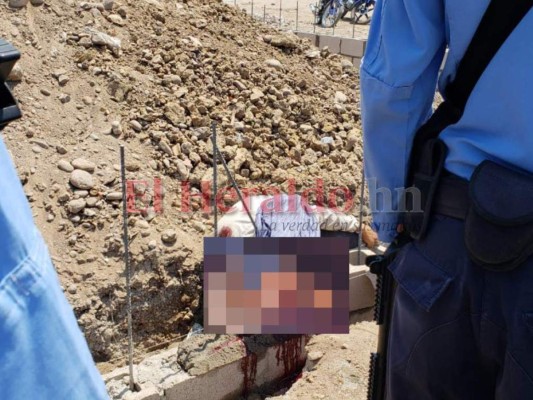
x=329, y=12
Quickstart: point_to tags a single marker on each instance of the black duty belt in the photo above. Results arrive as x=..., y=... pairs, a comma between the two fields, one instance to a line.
x=452, y=199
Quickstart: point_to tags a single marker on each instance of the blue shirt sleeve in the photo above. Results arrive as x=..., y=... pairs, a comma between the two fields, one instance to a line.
x=399, y=74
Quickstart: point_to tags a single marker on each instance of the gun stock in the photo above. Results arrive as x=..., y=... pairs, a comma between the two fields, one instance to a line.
x=385, y=288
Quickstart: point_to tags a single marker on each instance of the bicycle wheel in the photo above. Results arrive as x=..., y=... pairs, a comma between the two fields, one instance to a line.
x=333, y=12
x=363, y=13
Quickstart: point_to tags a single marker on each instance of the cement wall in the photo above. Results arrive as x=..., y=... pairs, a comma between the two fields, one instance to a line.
x=353, y=49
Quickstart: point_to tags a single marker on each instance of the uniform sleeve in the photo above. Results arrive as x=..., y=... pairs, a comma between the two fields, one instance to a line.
x=399, y=75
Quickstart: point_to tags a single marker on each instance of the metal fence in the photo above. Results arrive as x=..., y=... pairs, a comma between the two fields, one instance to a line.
x=296, y=15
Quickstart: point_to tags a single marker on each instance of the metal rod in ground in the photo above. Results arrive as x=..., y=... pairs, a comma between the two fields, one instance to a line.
x=280, y=13
x=361, y=203
x=297, y=9
x=316, y=18
x=127, y=263
x=353, y=23
x=215, y=180
x=252, y=8
x=236, y=187
x=264, y=13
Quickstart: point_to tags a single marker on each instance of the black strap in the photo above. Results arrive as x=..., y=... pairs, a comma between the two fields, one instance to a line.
x=497, y=24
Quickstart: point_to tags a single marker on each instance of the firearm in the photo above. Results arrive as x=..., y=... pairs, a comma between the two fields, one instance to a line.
x=9, y=111
x=385, y=288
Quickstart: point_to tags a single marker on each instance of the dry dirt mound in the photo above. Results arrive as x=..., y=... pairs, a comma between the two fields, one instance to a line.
x=152, y=75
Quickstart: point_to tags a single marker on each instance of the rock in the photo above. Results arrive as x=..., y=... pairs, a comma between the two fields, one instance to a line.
x=45, y=92
x=133, y=166
x=113, y=196
x=61, y=149
x=346, y=64
x=149, y=214
x=200, y=227
x=239, y=85
x=273, y=63
x=18, y=3
x=169, y=236
x=315, y=355
x=64, y=165
x=63, y=80
x=327, y=140
x=183, y=171
x=340, y=98
x=83, y=164
x=174, y=113
x=16, y=74
x=36, y=2
x=312, y=54
x=256, y=95
x=81, y=179
x=116, y=128
x=64, y=98
x=103, y=39
x=136, y=125
x=284, y=42
x=165, y=146
x=108, y=4
x=116, y=19
x=75, y=206
x=72, y=289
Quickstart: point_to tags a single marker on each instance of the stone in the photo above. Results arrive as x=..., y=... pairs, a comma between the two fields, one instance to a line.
x=16, y=74
x=114, y=196
x=169, y=236
x=340, y=98
x=18, y=3
x=64, y=98
x=283, y=41
x=256, y=95
x=312, y=54
x=83, y=164
x=174, y=113
x=103, y=39
x=116, y=19
x=315, y=355
x=273, y=63
x=136, y=125
x=81, y=179
x=61, y=149
x=64, y=165
x=75, y=206
x=63, y=80
x=108, y=5
x=116, y=128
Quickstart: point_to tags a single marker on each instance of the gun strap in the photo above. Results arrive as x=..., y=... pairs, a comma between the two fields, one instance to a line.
x=497, y=24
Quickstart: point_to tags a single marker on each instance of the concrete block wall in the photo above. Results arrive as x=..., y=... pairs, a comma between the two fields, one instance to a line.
x=354, y=49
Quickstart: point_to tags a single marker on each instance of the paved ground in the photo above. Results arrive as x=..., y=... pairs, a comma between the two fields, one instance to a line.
x=296, y=15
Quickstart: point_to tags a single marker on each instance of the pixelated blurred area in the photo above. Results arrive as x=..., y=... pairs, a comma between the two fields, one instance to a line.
x=276, y=285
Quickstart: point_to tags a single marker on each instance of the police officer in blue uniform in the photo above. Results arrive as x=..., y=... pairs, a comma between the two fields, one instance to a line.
x=462, y=323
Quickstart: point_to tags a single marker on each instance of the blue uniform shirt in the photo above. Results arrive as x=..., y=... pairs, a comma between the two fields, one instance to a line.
x=399, y=73
x=43, y=354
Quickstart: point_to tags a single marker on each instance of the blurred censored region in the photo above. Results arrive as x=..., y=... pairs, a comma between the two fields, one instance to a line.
x=276, y=285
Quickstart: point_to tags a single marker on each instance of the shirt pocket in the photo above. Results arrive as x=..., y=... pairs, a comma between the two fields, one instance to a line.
x=419, y=276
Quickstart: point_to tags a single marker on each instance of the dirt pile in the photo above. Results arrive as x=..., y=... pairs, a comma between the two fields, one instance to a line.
x=153, y=75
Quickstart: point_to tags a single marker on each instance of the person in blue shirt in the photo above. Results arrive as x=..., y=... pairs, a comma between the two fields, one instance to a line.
x=458, y=331
x=43, y=354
